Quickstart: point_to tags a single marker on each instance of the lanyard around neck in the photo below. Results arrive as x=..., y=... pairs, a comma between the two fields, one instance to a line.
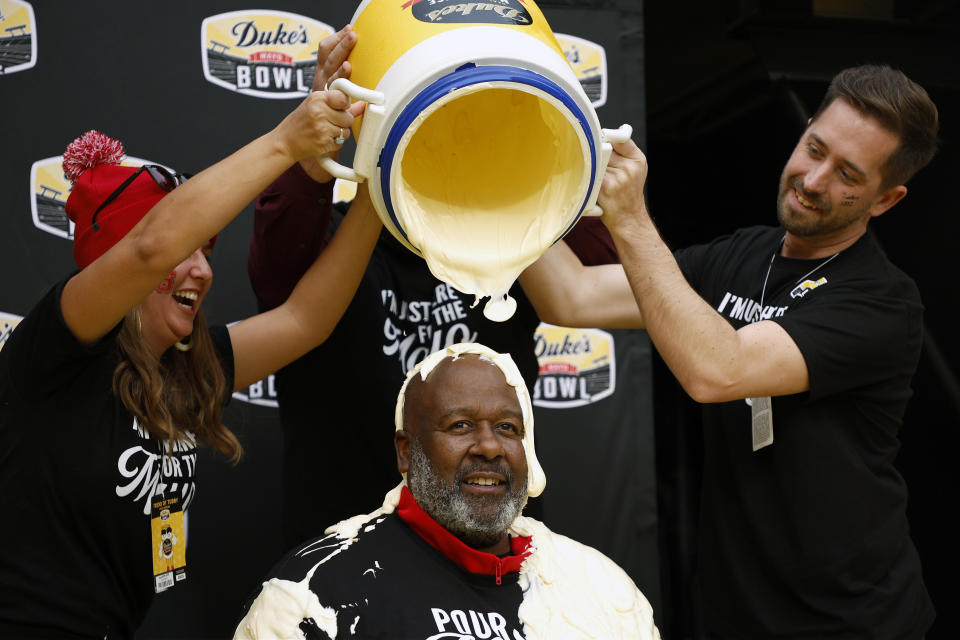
x=763, y=291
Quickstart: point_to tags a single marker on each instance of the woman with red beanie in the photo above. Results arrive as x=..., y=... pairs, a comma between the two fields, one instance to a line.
x=110, y=382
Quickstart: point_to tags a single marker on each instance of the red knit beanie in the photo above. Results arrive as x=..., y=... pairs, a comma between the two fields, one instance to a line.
x=92, y=164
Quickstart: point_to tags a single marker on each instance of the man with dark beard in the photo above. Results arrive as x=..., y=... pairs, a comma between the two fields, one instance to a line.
x=803, y=532
x=448, y=555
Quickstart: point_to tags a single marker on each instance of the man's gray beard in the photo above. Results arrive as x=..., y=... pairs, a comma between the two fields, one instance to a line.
x=452, y=509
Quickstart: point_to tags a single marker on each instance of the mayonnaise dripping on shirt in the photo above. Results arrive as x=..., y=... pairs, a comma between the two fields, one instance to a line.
x=570, y=591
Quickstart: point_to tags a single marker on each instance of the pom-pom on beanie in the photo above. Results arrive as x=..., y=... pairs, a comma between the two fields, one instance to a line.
x=92, y=164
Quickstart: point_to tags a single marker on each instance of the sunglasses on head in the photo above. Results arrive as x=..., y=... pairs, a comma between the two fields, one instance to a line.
x=162, y=176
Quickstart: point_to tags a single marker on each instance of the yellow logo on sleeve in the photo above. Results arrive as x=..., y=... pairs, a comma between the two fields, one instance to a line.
x=807, y=285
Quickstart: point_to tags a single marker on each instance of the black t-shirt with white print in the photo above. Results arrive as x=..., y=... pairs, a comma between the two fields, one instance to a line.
x=76, y=477
x=808, y=537
x=390, y=583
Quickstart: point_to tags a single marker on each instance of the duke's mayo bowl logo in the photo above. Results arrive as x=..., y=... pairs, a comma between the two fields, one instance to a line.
x=49, y=190
x=270, y=54
x=452, y=11
x=589, y=63
x=577, y=366
x=8, y=322
x=262, y=392
x=18, y=36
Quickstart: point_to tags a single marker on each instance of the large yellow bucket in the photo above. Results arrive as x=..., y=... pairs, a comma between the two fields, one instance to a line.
x=480, y=146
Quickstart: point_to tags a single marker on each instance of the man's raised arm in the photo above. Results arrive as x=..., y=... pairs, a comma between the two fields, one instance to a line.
x=712, y=361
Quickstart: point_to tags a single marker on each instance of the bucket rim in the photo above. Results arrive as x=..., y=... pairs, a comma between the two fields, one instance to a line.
x=464, y=76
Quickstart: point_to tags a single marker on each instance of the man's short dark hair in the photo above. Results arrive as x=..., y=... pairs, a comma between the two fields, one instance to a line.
x=900, y=105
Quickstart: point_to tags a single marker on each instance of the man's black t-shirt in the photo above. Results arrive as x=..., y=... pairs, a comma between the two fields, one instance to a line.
x=808, y=537
x=76, y=477
x=399, y=575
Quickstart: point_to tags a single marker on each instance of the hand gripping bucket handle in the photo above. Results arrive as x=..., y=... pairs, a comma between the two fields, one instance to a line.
x=356, y=92
x=610, y=137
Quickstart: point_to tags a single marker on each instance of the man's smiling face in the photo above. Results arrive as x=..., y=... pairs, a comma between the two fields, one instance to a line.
x=834, y=178
x=462, y=449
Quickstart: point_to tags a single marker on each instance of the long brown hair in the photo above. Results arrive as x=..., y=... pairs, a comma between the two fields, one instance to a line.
x=179, y=392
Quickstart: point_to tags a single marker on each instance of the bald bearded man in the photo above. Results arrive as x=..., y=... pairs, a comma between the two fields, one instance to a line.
x=449, y=554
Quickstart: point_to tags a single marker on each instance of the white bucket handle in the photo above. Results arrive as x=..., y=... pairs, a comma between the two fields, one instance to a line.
x=609, y=136
x=356, y=92
x=619, y=135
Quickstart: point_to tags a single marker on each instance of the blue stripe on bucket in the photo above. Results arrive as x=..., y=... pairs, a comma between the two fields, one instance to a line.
x=465, y=76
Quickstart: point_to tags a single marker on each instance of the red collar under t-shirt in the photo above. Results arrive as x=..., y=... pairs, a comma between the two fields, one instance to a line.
x=454, y=548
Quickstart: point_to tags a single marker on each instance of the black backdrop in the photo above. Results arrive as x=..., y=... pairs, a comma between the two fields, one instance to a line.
x=134, y=71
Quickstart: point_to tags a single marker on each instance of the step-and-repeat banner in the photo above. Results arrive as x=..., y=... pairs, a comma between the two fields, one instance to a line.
x=184, y=84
